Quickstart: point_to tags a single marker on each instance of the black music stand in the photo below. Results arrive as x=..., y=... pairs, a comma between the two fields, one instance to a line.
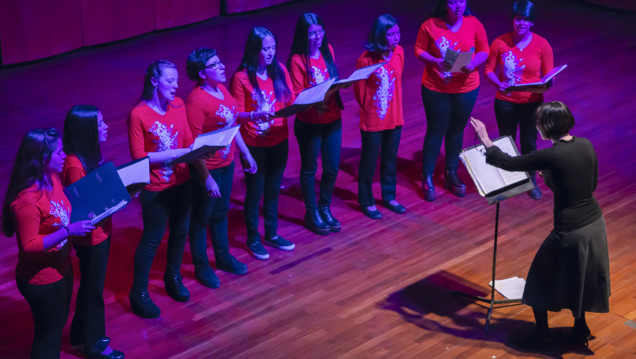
x=496, y=197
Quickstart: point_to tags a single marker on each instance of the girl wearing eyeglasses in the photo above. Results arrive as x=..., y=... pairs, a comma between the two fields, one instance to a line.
x=318, y=129
x=211, y=107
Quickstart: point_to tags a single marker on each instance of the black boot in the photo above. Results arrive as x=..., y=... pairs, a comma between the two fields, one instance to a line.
x=175, y=287
x=454, y=184
x=428, y=188
x=315, y=223
x=142, y=305
x=329, y=219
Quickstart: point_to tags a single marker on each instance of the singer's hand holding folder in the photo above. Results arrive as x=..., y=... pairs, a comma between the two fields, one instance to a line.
x=207, y=143
x=97, y=195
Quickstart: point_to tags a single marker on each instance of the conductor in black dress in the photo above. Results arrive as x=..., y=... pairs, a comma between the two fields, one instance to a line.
x=571, y=268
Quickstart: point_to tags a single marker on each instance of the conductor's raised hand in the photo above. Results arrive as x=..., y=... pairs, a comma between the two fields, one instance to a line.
x=80, y=228
x=480, y=130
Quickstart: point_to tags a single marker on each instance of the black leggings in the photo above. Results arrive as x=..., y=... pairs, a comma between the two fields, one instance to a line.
x=50, y=305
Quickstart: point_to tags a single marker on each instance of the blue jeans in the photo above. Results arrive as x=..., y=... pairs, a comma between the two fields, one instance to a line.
x=210, y=212
x=446, y=117
x=89, y=323
x=314, y=139
x=512, y=115
x=265, y=184
x=386, y=143
x=49, y=305
x=158, y=209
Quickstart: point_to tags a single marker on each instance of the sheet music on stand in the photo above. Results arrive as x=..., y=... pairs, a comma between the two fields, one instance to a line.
x=495, y=183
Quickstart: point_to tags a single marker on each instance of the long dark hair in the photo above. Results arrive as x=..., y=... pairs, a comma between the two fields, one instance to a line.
x=253, y=47
x=196, y=63
x=29, y=168
x=81, y=137
x=154, y=70
x=300, y=45
x=376, y=40
x=441, y=10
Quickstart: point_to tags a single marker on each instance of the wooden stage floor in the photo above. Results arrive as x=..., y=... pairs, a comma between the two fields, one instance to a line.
x=378, y=288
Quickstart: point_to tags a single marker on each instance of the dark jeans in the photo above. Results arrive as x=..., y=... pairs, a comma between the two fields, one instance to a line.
x=50, y=305
x=446, y=117
x=265, y=183
x=88, y=324
x=385, y=143
x=210, y=212
x=157, y=209
x=512, y=115
x=313, y=139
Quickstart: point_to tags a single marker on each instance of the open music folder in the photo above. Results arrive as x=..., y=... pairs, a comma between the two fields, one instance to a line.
x=495, y=183
x=208, y=143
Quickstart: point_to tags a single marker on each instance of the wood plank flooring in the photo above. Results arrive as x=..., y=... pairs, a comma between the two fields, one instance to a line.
x=378, y=289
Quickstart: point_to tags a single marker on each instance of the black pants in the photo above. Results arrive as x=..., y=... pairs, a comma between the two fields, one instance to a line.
x=512, y=115
x=314, y=139
x=446, y=117
x=50, y=305
x=265, y=183
x=88, y=323
x=386, y=143
x=210, y=212
x=171, y=206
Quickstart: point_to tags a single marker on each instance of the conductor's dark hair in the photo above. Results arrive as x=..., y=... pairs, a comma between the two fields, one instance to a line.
x=29, y=168
x=300, y=45
x=376, y=40
x=441, y=9
x=196, y=63
x=554, y=120
x=253, y=47
x=154, y=70
x=81, y=137
x=524, y=9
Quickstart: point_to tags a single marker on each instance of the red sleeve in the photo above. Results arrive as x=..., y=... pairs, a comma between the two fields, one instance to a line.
x=360, y=87
x=547, y=58
x=289, y=85
x=491, y=62
x=237, y=90
x=136, y=136
x=27, y=218
x=298, y=74
x=195, y=113
x=422, y=41
x=481, y=39
x=73, y=170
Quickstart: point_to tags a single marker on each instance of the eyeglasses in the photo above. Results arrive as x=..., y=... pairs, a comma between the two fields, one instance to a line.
x=214, y=65
x=315, y=33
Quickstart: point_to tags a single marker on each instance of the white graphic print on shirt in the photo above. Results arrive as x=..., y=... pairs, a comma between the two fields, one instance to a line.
x=166, y=140
x=511, y=68
x=443, y=45
x=268, y=104
x=384, y=93
x=59, y=211
x=317, y=76
x=230, y=120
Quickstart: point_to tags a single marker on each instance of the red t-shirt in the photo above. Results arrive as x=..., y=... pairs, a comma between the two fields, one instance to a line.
x=73, y=171
x=319, y=74
x=149, y=131
x=268, y=133
x=380, y=96
x=435, y=38
x=38, y=213
x=207, y=113
x=509, y=63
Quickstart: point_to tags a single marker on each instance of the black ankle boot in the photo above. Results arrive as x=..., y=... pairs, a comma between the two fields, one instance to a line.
x=454, y=184
x=328, y=218
x=428, y=188
x=315, y=223
x=142, y=305
x=175, y=287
